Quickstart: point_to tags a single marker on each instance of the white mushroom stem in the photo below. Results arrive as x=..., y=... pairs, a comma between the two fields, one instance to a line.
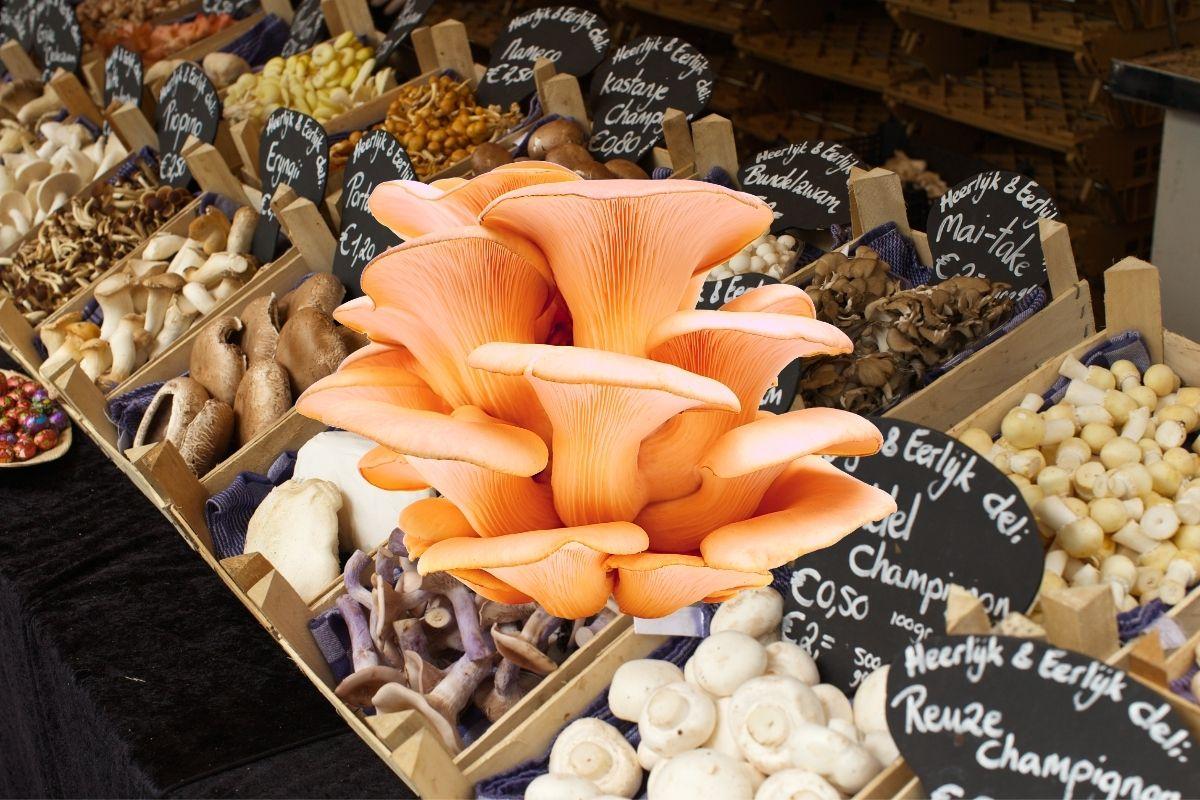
x=1092, y=415
x=1179, y=575
x=124, y=348
x=66, y=352
x=175, y=324
x=1170, y=433
x=1056, y=561
x=1058, y=430
x=1072, y=453
x=217, y=266
x=199, y=297
x=1081, y=393
x=189, y=257
x=1159, y=522
x=1032, y=402
x=1073, y=368
x=1087, y=575
x=1135, y=426
x=226, y=288
x=162, y=246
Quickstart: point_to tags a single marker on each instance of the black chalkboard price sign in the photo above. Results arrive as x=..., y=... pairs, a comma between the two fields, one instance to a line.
x=634, y=88
x=16, y=22
x=57, y=39
x=308, y=25
x=123, y=77
x=988, y=225
x=959, y=520
x=187, y=106
x=574, y=39
x=996, y=716
x=715, y=294
x=805, y=184
x=407, y=19
x=293, y=149
x=378, y=157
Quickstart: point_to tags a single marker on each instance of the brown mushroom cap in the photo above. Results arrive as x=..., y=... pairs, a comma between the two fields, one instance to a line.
x=173, y=408
x=207, y=437
x=164, y=280
x=358, y=688
x=310, y=347
x=216, y=361
x=321, y=290
x=551, y=135
x=260, y=335
x=263, y=396
x=624, y=168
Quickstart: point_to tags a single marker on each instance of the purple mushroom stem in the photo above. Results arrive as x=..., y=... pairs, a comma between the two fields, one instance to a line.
x=362, y=649
x=385, y=565
x=476, y=644
x=352, y=578
x=395, y=544
x=410, y=635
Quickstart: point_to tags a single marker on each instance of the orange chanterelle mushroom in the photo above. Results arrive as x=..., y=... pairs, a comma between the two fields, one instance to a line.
x=631, y=462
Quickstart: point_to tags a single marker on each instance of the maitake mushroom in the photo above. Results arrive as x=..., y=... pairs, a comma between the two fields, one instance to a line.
x=899, y=334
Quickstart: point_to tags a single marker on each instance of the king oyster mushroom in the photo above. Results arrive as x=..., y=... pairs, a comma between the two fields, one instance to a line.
x=217, y=361
x=262, y=397
x=172, y=410
x=295, y=527
x=310, y=347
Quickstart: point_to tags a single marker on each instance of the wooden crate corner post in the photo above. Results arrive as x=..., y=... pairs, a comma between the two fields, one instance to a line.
x=714, y=146
x=678, y=137
x=1082, y=618
x=1060, y=258
x=876, y=198
x=304, y=226
x=177, y=488
x=19, y=334
x=559, y=93
x=82, y=394
x=1133, y=301
x=347, y=15
x=212, y=172
x=18, y=63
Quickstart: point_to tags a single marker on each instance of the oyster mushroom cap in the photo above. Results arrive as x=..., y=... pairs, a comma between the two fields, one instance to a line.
x=217, y=362
x=596, y=751
x=310, y=347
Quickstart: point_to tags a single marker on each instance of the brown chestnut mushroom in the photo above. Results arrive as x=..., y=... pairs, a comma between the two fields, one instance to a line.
x=320, y=290
x=260, y=322
x=552, y=135
x=217, y=362
x=488, y=156
x=359, y=687
x=623, y=168
x=310, y=347
x=173, y=408
x=263, y=396
x=207, y=437
x=572, y=156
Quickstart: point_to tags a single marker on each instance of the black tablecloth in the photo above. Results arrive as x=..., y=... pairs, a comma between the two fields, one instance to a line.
x=127, y=668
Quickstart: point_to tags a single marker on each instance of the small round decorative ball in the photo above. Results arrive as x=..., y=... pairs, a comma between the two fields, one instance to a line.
x=59, y=419
x=25, y=450
x=29, y=387
x=8, y=438
x=40, y=395
x=6, y=402
x=46, y=439
x=36, y=422
x=23, y=405
x=7, y=455
x=14, y=381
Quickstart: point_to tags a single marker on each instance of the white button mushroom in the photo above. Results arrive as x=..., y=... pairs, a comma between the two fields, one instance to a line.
x=722, y=739
x=676, y=717
x=846, y=765
x=561, y=787
x=754, y=612
x=634, y=682
x=870, y=703
x=596, y=751
x=796, y=784
x=786, y=658
x=834, y=702
x=764, y=713
x=726, y=660
x=700, y=773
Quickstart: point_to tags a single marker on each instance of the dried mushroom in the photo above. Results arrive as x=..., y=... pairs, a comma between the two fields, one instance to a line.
x=83, y=239
x=899, y=334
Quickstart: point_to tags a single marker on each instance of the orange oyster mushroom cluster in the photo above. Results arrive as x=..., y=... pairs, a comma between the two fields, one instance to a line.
x=632, y=462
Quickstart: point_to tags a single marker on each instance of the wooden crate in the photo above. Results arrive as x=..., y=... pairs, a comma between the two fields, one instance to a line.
x=876, y=197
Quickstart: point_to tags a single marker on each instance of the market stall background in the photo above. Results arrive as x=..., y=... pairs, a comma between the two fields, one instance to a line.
x=958, y=99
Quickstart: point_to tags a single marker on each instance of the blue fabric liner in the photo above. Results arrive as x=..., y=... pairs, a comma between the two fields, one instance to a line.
x=262, y=42
x=1134, y=622
x=329, y=631
x=511, y=785
x=1125, y=345
x=126, y=412
x=1182, y=685
x=228, y=512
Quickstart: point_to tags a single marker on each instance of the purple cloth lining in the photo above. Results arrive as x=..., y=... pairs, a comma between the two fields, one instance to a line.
x=328, y=630
x=126, y=412
x=512, y=784
x=1182, y=685
x=262, y=42
x=1127, y=345
x=1133, y=623
x=228, y=512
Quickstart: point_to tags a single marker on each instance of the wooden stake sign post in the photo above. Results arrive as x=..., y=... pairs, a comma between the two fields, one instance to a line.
x=994, y=716
x=856, y=604
x=188, y=106
x=378, y=157
x=572, y=39
x=633, y=89
x=805, y=184
x=294, y=149
x=988, y=226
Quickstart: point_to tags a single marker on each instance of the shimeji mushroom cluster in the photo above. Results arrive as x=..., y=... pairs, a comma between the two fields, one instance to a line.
x=1110, y=478
x=536, y=359
x=746, y=717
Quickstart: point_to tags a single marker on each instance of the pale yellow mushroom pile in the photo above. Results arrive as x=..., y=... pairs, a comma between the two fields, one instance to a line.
x=1110, y=478
x=331, y=79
